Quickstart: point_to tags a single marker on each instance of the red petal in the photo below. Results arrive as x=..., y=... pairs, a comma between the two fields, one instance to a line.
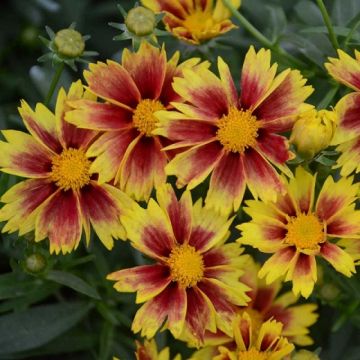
x=113, y=83
x=227, y=184
x=60, y=220
x=143, y=167
x=262, y=179
x=147, y=67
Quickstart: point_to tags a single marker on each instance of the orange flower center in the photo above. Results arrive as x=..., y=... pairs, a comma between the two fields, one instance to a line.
x=186, y=265
x=143, y=118
x=201, y=25
x=253, y=354
x=70, y=169
x=238, y=130
x=305, y=231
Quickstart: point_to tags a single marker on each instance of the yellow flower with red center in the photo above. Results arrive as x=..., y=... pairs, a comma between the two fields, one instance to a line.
x=234, y=139
x=296, y=229
x=194, y=21
x=127, y=152
x=346, y=70
x=149, y=351
x=61, y=197
x=265, y=343
x=194, y=284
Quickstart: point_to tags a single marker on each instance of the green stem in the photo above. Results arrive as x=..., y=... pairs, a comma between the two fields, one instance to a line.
x=351, y=32
x=328, y=24
x=53, y=84
x=260, y=37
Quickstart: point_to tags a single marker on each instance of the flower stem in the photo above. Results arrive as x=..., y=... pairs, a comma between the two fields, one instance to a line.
x=53, y=84
x=260, y=37
x=327, y=21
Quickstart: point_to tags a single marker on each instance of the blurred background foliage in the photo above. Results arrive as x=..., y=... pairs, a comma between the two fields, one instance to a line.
x=60, y=307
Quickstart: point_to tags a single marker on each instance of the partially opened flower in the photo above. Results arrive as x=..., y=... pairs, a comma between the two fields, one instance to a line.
x=62, y=197
x=127, y=152
x=194, y=21
x=264, y=343
x=346, y=70
x=149, y=351
x=296, y=229
x=234, y=139
x=194, y=284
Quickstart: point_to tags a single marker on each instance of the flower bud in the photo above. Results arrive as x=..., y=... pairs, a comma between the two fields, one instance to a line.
x=35, y=263
x=140, y=21
x=69, y=43
x=313, y=132
x=329, y=292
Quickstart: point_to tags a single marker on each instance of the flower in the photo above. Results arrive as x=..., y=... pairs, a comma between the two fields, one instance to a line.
x=127, y=151
x=305, y=355
x=296, y=229
x=235, y=140
x=149, y=351
x=266, y=304
x=346, y=70
x=194, y=283
x=193, y=21
x=62, y=196
x=319, y=127
x=265, y=343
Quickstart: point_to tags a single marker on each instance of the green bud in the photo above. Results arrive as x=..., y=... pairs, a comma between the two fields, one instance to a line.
x=69, y=43
x=329, y=292
x=140, y=21
x=35, y=263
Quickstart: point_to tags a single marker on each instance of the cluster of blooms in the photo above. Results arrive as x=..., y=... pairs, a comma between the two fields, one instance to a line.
x=110, y=143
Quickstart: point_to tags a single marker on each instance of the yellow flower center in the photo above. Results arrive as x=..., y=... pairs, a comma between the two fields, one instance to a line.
x=253, y=354
x=305, y=231
x=70, y=169
x=238, y=130
x=143, y=118
x=201, y=25
x=186, y=265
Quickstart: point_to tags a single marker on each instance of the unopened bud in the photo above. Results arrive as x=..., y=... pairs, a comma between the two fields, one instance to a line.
x=313, y=132
x=329, y=292
x=35, y=263
x=69, y=43
x=140, y=21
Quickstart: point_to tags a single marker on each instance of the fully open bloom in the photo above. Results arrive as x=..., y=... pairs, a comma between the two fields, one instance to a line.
x=346, y=70
x=194, y=284
x=127, y=151
x=61, y=197
x=149, y=351
x=296, y=228
x=194, y=21
x=265, y=343
x=234, y=138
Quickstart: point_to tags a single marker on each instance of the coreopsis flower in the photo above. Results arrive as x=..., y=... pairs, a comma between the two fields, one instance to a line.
x=266, y=304
x=62, y=197
x=194, y=283
x=234, y=139
x=265, y=343
x=127, y=152
x=346, y=70
x=194, y=21
x=149, y=351
x=296, y=229
x=313, y=132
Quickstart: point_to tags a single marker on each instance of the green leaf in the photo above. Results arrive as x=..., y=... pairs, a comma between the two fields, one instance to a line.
x=74, y=282
x=338, y=30
x=30, y=329
x=11, y=286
